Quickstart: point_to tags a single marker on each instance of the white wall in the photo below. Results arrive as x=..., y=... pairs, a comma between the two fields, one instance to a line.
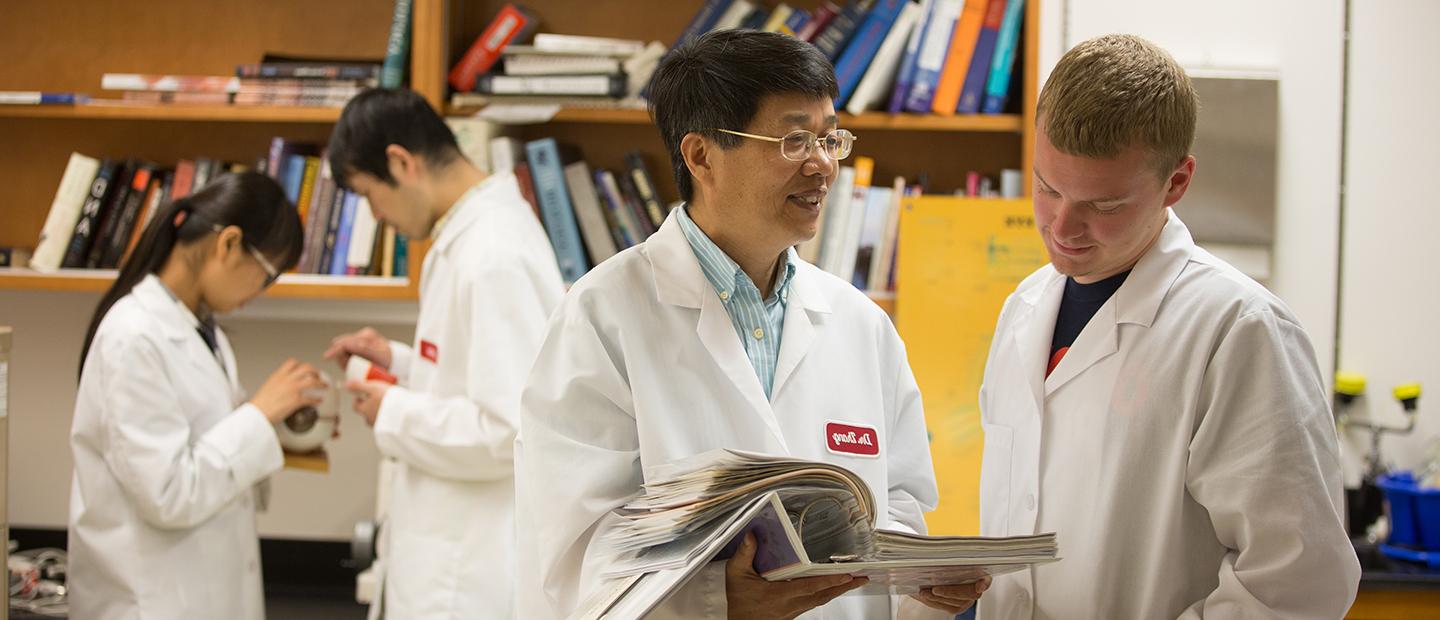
x=49, y=328
x=1301, y=41
x=1391, y=294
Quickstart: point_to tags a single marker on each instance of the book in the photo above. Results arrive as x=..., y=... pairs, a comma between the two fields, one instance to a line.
x=755, y=19
x=547, y=168
x=561, y=85
x=505, y=152
x=362, y=239
x=905, y=76
x=119, y=238
x=554, y=64
x=339, y=260
x=12, y=257
x=310, y=168
x=836, y=38
x=587, y=46
x=363, y=72
x=733, y=16
x=322, y=195
x=397, y=47
x=808, y=518
x=645, y=188
x=622, y=220
x=32, y=97
x=110, y=214
x=511, y=24
x=631, y=197
x=930, y=63
x=796, y=22
x=872, y=231
x=883, y=261
x=639, y=68
x=90, y=211
x=387, y=252
x=275, y=164
x=594, y=227
x=850, y=229
x=997, y=88
x=526, y=181
x=703, y=21
x=880, y=75
x=402, y=256
x=170, y=83
x=778, y=16
x=861, y=52
x=973, y=92
x=292, y=177
x=837, y=216
x=957, y=59
x=65, y=209
x=147, y=211
x=473, y=136
x=818, y=21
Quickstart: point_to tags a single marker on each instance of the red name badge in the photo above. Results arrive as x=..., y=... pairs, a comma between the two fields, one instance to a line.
x=843, y=438
x=429, y=351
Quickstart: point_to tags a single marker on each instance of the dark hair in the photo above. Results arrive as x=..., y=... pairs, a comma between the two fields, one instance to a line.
x=250, y=200
x=378, y=118
x=717, y=81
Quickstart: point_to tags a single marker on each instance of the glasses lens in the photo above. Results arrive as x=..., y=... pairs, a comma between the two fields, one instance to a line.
x=797, y=145
x=838, y=143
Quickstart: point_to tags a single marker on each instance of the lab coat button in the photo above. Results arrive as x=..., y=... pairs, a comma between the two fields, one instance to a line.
x=759, y=333
x=1029, y=501
x=724, y=295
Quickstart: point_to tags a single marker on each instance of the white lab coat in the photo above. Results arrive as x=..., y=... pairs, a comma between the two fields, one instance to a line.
x=162, y=506
x=642, y=366
x=1183, y=451
x=489, y=282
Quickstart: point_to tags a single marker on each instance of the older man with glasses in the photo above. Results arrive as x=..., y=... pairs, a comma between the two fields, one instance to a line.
x=714, y=334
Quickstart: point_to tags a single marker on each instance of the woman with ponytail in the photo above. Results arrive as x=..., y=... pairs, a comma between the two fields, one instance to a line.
x=169, y=454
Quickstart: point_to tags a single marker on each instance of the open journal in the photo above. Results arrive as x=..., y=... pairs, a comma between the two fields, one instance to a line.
x=809, y=518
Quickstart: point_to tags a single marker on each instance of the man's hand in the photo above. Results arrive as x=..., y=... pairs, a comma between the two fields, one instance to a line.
x=953, y=599
x=366, y=343
x=748, y=595
x=368, y=395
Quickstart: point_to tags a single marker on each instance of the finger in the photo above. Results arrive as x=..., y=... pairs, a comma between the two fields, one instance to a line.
x=829, y=594
x=968, y=591
x=742, y=564
x=930, y=600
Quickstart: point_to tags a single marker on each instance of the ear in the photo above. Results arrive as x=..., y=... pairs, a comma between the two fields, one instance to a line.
x=227, y=243
x=1179, y=180
x=699, y=155
x=403, y=165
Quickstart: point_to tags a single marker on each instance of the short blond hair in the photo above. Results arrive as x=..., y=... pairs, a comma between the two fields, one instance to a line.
x=1114, y=91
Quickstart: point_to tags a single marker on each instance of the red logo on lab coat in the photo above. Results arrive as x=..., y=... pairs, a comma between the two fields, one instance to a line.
x=429, y=351
x=843, y=438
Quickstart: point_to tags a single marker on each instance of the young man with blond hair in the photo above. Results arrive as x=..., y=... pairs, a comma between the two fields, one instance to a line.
x=1159, y=410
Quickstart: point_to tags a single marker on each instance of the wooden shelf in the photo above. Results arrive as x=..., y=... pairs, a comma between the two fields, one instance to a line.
x=868, y=120
x=290, y=285
x=174, y=112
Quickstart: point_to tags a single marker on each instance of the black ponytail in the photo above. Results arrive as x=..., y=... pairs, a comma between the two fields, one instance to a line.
x=252, y=201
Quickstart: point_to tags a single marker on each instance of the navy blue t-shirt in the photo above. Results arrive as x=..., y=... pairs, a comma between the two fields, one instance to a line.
x=1079, y=303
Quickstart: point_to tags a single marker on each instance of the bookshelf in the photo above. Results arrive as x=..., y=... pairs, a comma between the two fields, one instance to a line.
x=66, y=47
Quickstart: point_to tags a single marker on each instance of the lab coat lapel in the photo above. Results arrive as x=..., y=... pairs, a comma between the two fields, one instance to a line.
x=1036, y=332
x=1099, y=340
x=179, y=326
x=679, y=281
x=803, y=313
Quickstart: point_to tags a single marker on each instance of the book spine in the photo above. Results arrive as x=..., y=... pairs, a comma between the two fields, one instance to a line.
x=89, y=216
x=147, y=212
x=65, y=212
x=397, y=48
x=618, y=216
x=309, y=71
x=932, y=55
x=589, y=213
x=704, y=20
x=905, y=77
x=509, y=24
x=125, y=217
x=974, y=90
x=818, y=22
x=316, y=220
x=307, y=188
x=338, y=262
x=857, y=57
x=834, y=39
x=957, y=60
x=886, y=61
x=332, y=231
x=544, y=158
x=402, y=256
x=998, y=87
x=645, y=188
x=569, y=85
x=526, y=181
x=110, y=216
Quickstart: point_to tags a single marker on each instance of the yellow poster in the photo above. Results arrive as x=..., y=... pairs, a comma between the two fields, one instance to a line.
x=959, y=258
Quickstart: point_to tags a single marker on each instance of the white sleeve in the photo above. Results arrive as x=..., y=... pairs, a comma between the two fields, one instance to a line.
x=577, y=459
x=1264, y=463
x=172, y=483
x=472, y=436
x=400, y=356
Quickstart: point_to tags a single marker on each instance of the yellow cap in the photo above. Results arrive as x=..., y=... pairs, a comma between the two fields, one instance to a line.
x=1407, y=391
x=1350, y=383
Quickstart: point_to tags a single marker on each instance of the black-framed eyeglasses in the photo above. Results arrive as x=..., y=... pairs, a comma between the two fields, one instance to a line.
x=800, y=145
x=271, y=273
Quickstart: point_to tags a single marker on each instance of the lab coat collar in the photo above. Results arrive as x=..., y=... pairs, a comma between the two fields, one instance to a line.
x=679, y=280
x=1139, y=298
x=176, y=321
x=466, y=210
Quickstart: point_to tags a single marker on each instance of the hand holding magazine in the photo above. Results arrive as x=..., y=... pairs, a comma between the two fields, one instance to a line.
x=809, y=518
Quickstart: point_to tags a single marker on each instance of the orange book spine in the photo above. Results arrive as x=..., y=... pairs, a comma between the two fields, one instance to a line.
x=957, y=61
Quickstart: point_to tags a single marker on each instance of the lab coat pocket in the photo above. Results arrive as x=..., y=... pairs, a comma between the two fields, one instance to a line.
x=995, y=480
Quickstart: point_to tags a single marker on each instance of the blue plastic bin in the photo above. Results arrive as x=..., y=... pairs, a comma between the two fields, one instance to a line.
x=1414, y=512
